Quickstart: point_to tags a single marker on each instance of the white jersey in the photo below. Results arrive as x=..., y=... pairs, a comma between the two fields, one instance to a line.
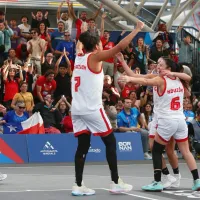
x=87, y=87
x=169, y=104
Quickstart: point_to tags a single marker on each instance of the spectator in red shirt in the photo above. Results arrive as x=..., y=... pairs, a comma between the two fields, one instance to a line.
x=127, y=89
x=45, y=85
x=108, y=65
x=11, y=83
x=83, y=21
x=67, y=123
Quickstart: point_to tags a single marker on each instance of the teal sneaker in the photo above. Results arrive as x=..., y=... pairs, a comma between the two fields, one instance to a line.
x=154, y=187
x=196, y=185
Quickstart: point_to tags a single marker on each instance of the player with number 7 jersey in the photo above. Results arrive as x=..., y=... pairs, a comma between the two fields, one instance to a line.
x=88, y=115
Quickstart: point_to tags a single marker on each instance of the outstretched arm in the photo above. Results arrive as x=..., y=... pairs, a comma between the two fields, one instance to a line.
x=128, y=71
x=104, y=55
x=97, y=12
x=59, y=9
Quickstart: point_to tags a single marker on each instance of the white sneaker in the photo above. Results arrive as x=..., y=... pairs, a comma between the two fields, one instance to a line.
x=147, y=156
x=81, y=191
x=176, y=184
x=3, y=176
x=167, y=180
x=120, y=187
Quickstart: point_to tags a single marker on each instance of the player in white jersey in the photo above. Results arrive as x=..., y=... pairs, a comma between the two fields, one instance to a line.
x=171, y=121
x=168, y=180
x=88, y=115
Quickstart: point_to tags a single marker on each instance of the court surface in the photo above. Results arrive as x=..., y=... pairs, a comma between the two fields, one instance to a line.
x=54, y=182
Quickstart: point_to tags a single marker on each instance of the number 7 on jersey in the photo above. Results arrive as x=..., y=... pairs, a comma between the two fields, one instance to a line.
x=77, y=79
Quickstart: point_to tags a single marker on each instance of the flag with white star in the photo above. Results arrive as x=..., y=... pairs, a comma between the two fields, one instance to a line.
x=12, y=128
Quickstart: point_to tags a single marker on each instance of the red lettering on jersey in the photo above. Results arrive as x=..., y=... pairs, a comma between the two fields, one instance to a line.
x=83, y=67
x=175, y=90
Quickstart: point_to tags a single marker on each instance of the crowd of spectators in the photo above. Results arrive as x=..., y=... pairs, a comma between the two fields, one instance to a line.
x=37, y=63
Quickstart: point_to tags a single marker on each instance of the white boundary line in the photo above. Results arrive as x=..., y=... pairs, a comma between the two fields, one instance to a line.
x=134, y=195
x=24, y=191
x=62, y=166
x=89, y=176
x=55, y=190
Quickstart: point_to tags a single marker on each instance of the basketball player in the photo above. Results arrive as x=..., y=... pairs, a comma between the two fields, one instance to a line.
x=88, y=115
x=171, y=121
x=168, y=180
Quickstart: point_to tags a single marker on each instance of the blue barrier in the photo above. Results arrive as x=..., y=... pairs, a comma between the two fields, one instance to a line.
x=13, y=149
x=62, y=147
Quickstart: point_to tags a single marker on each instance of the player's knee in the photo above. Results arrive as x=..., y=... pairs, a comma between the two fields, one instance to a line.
x=157, y=148
x=83, y=144
x=109, y=141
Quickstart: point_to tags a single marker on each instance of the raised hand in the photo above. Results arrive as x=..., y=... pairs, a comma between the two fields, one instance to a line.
x=140, y=25
x=104, y=15
x=46, y=14
x=32, y=14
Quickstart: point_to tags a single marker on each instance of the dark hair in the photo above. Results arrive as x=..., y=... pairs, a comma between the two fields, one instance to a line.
x=127, y=98
x=146, y=115
x=2, y=13
x=48, y=72
x=35, y=29
x=91, y=19
x=44, y=29
x=106, y=31
x=39, y=11
x=198, y=111
x=24, y=17
x=63, y=65
x=89, y=41
x=22, y=83
x=175, y=68
x=11, y=50
x=131, y=92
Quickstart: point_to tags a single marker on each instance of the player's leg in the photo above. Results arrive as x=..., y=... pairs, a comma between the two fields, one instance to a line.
x=83, y=136
x=167, y=178
x=99, y=125
x=80, y=156
x=166, y=128
x=117, y=185
x=181, y=138
x=173, y=160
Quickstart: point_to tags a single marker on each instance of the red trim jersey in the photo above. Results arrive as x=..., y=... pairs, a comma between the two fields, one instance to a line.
x=87, y=87
x=169, y=103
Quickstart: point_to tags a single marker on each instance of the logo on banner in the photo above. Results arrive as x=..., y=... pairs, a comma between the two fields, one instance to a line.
x=91, y=150
x=125, y=146
x=49, y=149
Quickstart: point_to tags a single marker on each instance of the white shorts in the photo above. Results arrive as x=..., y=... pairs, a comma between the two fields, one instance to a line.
x=152, y=126
x=172, y=127
x=96, y=123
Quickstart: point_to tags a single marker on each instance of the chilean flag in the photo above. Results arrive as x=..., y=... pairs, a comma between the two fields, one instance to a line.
x=33, y=125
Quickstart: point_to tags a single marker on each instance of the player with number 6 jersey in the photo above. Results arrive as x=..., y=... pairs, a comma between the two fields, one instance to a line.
x=171, y=122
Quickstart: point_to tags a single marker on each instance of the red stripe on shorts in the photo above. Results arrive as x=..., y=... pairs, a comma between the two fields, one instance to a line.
x=81, y=132
x=104, y=119
x=182, y=140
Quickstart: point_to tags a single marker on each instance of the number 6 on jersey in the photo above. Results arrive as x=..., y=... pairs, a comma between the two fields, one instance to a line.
x=77, y=79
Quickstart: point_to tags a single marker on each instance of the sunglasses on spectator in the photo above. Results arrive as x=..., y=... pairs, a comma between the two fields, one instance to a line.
x=33, y=32
x=67, y=35
x=21, y=107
